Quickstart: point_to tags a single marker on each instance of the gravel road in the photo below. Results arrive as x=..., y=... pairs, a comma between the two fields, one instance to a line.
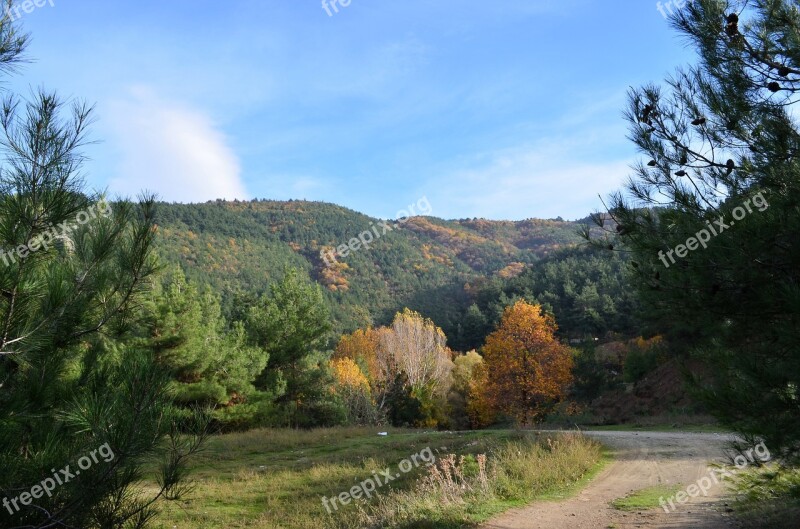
x=642, y=459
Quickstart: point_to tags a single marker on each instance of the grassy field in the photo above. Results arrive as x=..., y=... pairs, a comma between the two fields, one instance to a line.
x=277, y=478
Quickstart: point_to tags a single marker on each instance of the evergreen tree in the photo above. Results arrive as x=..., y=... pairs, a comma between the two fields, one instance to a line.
x=472, y=330
x=71, y=269
x=292, y=324
x=712, y=217
x=404, y=409
x=210, y=365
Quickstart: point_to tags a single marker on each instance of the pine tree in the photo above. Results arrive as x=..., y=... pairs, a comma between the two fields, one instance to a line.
x=71, y=270
x=209, y=364
x=712, y=215
x=292, y=324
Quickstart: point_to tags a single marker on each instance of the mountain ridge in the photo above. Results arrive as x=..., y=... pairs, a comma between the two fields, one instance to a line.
x=427, y=264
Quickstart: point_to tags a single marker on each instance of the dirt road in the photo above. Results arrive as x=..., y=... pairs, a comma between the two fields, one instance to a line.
x=642, y=459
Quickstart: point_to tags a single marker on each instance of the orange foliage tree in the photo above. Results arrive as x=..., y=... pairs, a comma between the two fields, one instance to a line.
x=528, y=369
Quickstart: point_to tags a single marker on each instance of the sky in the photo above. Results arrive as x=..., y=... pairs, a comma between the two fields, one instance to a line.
x=502, y=109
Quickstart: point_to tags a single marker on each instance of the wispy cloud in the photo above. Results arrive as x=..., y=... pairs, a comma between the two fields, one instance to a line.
x=171, y=149
x=523, y=183
x=563, y=176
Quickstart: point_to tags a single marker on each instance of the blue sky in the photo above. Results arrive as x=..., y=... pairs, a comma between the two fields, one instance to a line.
x=508, y=109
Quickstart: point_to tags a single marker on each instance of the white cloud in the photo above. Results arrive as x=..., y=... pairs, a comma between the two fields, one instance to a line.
x=581, y=160
x=537, y=180
x=172, y=150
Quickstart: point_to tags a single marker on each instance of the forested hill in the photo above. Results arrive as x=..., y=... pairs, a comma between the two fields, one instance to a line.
x=427, y=264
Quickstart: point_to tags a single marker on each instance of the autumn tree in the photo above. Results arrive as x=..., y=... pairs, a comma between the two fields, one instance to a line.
x=353, y=388
x=418, y=348
x=465, y=368
x=362, y=347
x=408, y=365
x=480, y=410
x=528, y=370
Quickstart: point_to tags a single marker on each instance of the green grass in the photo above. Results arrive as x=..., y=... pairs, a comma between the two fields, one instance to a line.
x=269, y=479
x=645, y=499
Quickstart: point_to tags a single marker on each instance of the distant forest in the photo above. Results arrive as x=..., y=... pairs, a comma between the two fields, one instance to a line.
x=461, y=273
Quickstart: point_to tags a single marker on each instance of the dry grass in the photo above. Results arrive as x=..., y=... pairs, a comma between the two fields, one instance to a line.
x=462, y=490
x=275, y=479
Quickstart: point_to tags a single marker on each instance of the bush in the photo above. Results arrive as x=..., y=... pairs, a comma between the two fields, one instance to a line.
x=638, y=364
x=319, y=414
x=593, y=376
x=642, y=358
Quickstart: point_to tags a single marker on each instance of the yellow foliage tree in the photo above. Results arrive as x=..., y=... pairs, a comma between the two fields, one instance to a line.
x=413, y=350
x=463, y=369
x=348, y=374
x=354, y=389
x=463, y=399
x=528, y=369
x=361, y=347
x=479, y=407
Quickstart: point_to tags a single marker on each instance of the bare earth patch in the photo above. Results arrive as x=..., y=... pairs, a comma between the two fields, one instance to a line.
x=643, y=459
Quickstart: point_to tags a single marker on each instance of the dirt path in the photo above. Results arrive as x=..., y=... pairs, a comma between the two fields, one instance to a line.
x=643, y=459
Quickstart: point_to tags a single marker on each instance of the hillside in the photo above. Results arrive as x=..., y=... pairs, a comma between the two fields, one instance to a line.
x=240, y=247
